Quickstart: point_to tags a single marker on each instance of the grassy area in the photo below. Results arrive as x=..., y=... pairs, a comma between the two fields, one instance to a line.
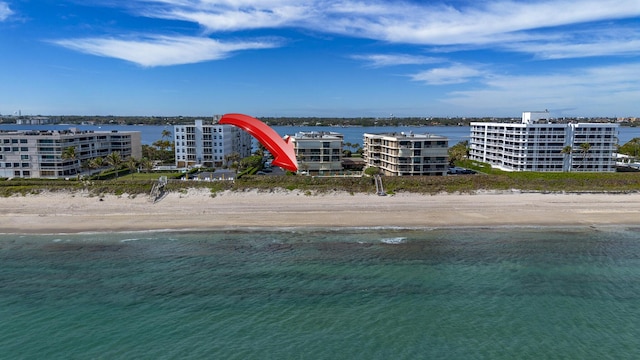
x=148, y=176
x=487, y=180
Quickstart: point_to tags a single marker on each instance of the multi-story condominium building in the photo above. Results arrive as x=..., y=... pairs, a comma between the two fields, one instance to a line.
x=38, y=153
x=36, y=120
x=538, y=144
x=318, y=152
x=399, y=154
x=207, y=144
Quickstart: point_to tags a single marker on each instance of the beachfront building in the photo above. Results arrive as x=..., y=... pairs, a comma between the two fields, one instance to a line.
x=39, y=153
x=318, y=152
x=538, y=143
x=203, y=144
x=400, y=154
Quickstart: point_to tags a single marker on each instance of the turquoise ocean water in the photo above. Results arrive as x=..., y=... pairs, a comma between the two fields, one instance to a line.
x=505, y=293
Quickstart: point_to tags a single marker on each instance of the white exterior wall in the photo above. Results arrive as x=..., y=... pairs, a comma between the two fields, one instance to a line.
x=207, y=144
x=401, y=154
x=38, y=154
x=532, y=117
x=318, y=152
x=538, y=147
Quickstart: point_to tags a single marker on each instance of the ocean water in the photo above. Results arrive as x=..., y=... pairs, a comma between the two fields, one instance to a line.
x=354, y=135
x=477, y=293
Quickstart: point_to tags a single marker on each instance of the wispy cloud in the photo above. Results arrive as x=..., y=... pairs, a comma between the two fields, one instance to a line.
x=231, y=15
x=382, y=60
x=454, y=74
x=405, y=21
x=511, y=25
x=596, y=42
x=476, y=23
x=587, y=90
x=5, y=11
x=162, y=50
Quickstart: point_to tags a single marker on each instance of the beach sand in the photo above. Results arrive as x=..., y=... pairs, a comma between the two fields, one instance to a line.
x=198, y=210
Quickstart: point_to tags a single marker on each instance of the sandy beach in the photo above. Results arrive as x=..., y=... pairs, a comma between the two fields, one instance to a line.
x=198, y=210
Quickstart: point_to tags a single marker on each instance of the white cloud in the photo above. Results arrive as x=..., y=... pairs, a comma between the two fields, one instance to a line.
x=382, y=60
x=5, y=12
x=589, y=44
x=588, y=90
x=546, y=28
x=231, y=15
x=403, y=21
x=454, y=74
x=162, y=50
x=490, y=22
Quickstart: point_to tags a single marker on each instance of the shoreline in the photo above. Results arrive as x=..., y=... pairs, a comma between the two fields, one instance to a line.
x=198, y=210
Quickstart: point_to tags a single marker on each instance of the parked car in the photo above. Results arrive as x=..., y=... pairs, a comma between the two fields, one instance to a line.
x=460, y=171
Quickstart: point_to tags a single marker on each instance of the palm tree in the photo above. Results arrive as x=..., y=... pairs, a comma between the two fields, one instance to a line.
x=96, y=163
x=69, y=153
x=165, y=142
x=132, y=164
x=567, y=151
x=584, y=150
x=114, y=160
x=85, y=165
x=146, y=164
x=166, y=134
x=458, y=152
x=150, y=152
x=260, y=151
x=231, y=158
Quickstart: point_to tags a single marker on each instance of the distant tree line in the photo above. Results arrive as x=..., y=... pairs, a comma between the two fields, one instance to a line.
x=298, y=121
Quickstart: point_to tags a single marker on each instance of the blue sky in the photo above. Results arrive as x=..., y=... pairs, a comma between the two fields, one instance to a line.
x=344, y=58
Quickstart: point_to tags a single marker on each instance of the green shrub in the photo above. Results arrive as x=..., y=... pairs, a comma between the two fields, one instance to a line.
x=494, y=180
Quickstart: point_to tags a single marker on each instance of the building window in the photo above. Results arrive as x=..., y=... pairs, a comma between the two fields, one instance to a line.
x=23, y=157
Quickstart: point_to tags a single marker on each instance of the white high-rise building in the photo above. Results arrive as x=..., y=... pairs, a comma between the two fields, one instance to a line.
x=207, y=144
x=538, y=144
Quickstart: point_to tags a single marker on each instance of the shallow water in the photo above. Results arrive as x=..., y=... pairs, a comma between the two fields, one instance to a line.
x=323, y=293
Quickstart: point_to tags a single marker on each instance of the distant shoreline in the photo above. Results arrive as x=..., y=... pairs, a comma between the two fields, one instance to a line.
x=80, y=212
